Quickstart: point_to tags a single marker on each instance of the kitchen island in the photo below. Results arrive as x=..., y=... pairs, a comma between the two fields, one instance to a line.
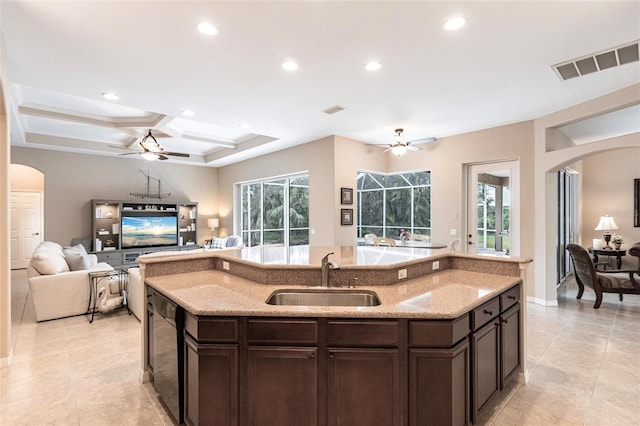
x=442, y=342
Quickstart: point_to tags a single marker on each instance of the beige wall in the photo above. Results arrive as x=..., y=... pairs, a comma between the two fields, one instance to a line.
x=607, y=188
x=331, y=162
x=25, y=178
x=73, y=180
x=5, y=255
x=447, y=159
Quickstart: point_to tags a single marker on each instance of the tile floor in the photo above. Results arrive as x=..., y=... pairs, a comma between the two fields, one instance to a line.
x=583, y=368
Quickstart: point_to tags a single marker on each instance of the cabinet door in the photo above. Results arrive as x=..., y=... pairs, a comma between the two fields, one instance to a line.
x=282, y=386
x=363, y=387
x=439, y=386
x=211, y=384
x=485, y=352
x=510, y=344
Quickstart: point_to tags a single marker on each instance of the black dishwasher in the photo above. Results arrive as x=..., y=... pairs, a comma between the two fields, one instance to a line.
x=167, y=341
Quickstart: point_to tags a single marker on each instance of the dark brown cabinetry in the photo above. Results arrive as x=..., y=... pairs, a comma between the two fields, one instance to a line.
x=282, y=386
x=439, y=372
x=211, y=371
x=329, y=371
x=495, y=347
x=363, y=372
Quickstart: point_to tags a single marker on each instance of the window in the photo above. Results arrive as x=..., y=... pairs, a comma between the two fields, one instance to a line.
x=390, y=202
x=493, y=217
x=275, y=211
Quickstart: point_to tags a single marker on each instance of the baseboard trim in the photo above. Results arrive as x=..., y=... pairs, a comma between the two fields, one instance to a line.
x=6, y=361
x=542, y=302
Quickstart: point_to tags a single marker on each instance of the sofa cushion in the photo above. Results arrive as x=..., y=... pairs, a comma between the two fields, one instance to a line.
x=219, y=243
x=234, y=241
x=49, y=260
x=77, y=257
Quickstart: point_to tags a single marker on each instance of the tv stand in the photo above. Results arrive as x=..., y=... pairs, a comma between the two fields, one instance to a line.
x=106, y=226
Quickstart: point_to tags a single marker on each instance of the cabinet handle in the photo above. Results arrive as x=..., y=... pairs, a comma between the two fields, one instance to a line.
x=312, y=356
x=488, y=312
x=332, y=356
x=511, y=297
x=505, y=321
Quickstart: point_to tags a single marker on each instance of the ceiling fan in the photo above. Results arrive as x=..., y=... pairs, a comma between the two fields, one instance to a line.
x=400, y=146
x=151, y=149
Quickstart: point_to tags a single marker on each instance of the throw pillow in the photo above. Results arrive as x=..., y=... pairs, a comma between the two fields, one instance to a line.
x=49, y=261
x=78, y=248
x=219, y=243
x=76, y=261
x=233, y=241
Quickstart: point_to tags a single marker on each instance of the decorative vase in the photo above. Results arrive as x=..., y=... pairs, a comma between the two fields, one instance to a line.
x=617, y=245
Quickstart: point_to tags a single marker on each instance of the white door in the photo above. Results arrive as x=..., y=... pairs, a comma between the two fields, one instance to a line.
x=493, y=209
x=26, y=226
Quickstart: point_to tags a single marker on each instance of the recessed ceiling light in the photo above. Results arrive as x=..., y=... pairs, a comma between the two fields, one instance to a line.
x=289, y=66
x=110, y=96
x=207, y=29
x=188, y=113
x=373, y=66
x=454, y=23
x=243, y=125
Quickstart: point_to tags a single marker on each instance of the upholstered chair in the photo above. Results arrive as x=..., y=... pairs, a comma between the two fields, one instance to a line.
x=634, y=250
x=620, y=281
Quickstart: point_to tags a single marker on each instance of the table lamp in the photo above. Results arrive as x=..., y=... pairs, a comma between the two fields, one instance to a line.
x=606, y=224
x=213, y=223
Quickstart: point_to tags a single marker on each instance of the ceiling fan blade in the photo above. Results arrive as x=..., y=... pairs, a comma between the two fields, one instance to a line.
x=129, y=153
x=388, y=149
x=123, y=147
x=413, y=148
x=162, y=157
x=175, y=154
x=424, y=140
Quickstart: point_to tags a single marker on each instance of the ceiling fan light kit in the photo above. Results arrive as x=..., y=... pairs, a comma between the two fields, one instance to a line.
x=400, y=146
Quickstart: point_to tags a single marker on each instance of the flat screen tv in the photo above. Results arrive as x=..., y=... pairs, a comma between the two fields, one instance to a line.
x=149, y=231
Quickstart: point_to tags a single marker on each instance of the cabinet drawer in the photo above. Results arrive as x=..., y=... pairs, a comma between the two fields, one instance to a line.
x=109, y=257
x=438, y=334
x=285, y=332
x=363, y=333
x=484, y=313
x=212, y=329
x=509, y=298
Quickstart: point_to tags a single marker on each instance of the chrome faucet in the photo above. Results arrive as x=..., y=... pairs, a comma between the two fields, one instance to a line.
x=327, y=265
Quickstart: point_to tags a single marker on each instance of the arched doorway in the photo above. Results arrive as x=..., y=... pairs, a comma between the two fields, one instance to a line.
x=27, y=213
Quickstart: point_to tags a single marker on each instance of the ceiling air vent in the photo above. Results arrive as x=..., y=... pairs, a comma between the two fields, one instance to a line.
x=333, y=109
x=598, y=61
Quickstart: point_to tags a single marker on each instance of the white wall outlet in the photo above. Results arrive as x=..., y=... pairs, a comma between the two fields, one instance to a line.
x=225, y=265
x=313, y=231
x=453, y=231
x=435, y=265
x=402, y=273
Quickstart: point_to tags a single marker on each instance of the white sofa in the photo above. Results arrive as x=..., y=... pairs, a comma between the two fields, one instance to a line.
x=59, y=280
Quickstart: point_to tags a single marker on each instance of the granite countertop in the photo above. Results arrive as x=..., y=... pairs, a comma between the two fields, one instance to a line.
x=442, y=295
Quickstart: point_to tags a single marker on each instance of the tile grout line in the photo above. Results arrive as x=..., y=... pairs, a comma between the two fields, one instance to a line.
x=599, y=369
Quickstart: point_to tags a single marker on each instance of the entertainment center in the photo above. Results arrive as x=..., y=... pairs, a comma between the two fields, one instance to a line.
x=124, y=230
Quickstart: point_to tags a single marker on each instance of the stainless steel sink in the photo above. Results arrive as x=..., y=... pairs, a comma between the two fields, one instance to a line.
x=323, y=298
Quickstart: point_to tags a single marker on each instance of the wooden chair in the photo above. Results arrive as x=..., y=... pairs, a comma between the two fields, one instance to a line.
x=620, y=281
x=635, y=251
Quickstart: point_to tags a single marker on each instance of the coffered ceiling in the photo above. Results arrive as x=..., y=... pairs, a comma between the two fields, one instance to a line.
x=60, y=57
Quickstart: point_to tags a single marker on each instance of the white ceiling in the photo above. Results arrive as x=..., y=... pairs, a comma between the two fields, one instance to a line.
x=61, y=56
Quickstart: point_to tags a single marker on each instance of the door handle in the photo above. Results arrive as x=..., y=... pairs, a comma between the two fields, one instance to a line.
x=36, y=233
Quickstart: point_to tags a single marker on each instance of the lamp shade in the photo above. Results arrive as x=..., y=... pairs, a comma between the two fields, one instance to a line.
x=215, y=222
x=606, y=224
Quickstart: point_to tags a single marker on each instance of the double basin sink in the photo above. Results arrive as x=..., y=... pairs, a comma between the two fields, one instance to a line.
x=311, y=297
